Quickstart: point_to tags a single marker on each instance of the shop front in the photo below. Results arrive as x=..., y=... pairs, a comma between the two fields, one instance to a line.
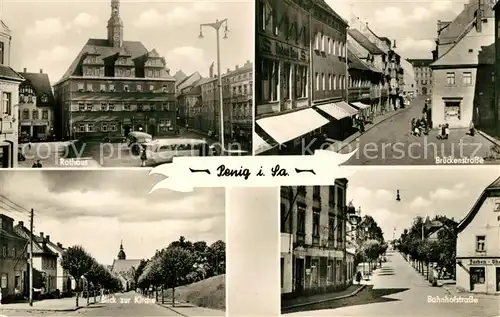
x=479, y=275
x=341, y=119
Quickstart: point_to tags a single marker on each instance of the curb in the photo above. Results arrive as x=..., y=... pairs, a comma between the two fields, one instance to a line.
x=489, y=137
x=44, y=310
x=171, y=309
x=326, y=300
x=395, y=113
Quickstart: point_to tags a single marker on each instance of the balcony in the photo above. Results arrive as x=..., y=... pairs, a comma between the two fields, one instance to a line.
x=358, y=93
x=7, y=125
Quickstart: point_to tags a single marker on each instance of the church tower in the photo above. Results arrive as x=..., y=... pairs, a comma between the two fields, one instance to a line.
x=121, y=253
x=115, y=25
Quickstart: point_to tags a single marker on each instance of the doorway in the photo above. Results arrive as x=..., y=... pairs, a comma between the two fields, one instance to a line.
x=299, y=275
x=126, y=130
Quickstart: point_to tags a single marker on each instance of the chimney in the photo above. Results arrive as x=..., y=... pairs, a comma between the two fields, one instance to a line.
x=479, y=16
x=248, y=62
x=59, y=245
x=438, y=27
x=211, y=71
x=236, y=67
x=41, y=71
x=24, y=70
x=228, y=71
x=41, y=234
x=47, y=238
x=21, y=223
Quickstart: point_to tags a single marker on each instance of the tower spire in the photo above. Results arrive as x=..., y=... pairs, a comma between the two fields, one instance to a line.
x=121, y=253
x=115, y=25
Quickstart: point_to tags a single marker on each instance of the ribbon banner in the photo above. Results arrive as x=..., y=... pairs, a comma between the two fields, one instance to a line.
x=186, y=173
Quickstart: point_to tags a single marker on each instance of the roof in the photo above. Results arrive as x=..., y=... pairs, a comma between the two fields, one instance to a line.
x=188, y=81
x=487, y=55
x=8, y=73
x=365, y=42
x=420, y=62
x=205, y=81
x=39, y=247
x=133, y=48
x=248, y=66
x=493, y=187
x=41, y=85
x=355, y=62
x=322, y=4
x=456, y=56
x=179, y=76
x=125, y=265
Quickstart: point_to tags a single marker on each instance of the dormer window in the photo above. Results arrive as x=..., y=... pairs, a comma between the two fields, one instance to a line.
x=90, y=87
x=44, y=99
x=112, y=88
x=164, y=89
x=125, y=88
x=151, y=88
x=81, y=87
x=150, y=73
x=139, y=88
x=157, y=73
x=103, y=88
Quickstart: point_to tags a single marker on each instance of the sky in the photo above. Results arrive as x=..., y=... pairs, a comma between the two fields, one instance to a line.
x=48, y=34
x=98, y=209
x=412, y=23
x=424, y=192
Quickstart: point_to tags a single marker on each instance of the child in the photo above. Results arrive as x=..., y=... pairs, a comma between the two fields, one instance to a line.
x=446, y=131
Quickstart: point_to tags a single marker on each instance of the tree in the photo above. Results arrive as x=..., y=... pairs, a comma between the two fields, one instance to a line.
x=176, y=263
x=371, y=250
x=77, y=262
x=96, y=276
x=138, y=271
x=217, y=257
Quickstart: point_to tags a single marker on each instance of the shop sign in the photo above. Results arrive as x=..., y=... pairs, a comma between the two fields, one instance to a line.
x=484, y=262
x=283, y=50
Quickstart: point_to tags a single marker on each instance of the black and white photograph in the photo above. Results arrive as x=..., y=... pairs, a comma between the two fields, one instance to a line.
x=95, y=243
x=117, y=83
x=406, y=83
x=393, y=242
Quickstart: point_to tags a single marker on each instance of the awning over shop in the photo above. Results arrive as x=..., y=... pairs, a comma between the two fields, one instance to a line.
x=334, y=111
x=260, y=146
x=286, y=127
x=360, y=105
x=345, y=106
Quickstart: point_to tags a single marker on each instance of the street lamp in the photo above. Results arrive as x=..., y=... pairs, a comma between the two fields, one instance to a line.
x=216, y=26
x=398, y=198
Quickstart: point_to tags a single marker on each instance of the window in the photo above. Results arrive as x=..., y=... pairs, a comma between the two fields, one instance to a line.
x=331, y=195
x=301, y=219
x=150, y=73
x=334, y=80
x=90, y=107
x=44, y=99
x=139, y=87
x=287, y=68
x=4, y=251
x=3, y=281
x=125, y=88
x=111, y=107
x=270, y=77
x=81, y=107
x=340, y=198
x=316, y=192
x=81, y=127
x=450, y=79
x=478, y=275
x=157, y=73
x=112, y=126
x=329, y=44
x=81, y=87
x=140, y=107
x=90, y=87
x=14, y=253
x=104, y=127
x=104, y=107
x=323, y=83
x=467, y=78
x=331, y=227
x=301, y=76
x=34, y=114
x=26, y=114
x=322, y=39
x=111, y=87
x=317, y=81
x=164, y=88
x=451, y=110
x=126, y=107
x=282, y=265
x=329, y=81
x=90, y=127
x=151, y=87
x=45, y=114
x=1, y=53
x=129, y=73
x=330, y=271
x=7, y=103
x=334, y=47
x=480, y=243
x=317, y=44
x=315, y=223
x=102, y=87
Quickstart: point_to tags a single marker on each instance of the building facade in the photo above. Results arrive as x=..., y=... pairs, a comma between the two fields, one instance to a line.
x=423, y=75
x=496, y=106
x=455, y=72
x=36, y=107
x=183, y=87
x=313, y=239
x=9, y=101
x=123, y=268
x=485, y=114
x=478, y=251
x=114, y=87
x=241, y=114
x=44, y=259
x=187, y=99
x=13, y=263
x=64, y=282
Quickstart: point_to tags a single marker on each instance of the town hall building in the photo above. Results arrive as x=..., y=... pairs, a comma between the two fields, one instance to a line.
x=114, y=87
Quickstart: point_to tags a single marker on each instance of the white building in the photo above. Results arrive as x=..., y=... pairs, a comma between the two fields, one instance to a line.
x=65, y=283
x=478, y=244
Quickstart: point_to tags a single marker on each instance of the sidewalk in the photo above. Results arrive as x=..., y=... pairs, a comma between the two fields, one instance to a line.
x=50, y=305
x=320, y=298
x=188, y=310
x=338, y=146
x=453, y=291
x=489, y=137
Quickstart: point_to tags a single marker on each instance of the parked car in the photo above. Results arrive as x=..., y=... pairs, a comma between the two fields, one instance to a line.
x=115, y=139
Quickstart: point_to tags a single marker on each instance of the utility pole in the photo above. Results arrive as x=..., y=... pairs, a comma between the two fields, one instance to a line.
x=31, y=257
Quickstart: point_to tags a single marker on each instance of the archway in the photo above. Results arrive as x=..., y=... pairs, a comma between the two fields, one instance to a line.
x=126, y=130
x=424, y=91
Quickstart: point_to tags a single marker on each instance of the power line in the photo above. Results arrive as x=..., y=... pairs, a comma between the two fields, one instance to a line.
x=20, y=208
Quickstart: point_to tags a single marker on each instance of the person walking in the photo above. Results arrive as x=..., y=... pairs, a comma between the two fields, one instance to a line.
x=144, y=157
x=472, y=130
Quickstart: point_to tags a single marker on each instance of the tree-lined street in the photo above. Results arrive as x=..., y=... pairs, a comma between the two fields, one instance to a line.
x=398, y=290
x=391, y=143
